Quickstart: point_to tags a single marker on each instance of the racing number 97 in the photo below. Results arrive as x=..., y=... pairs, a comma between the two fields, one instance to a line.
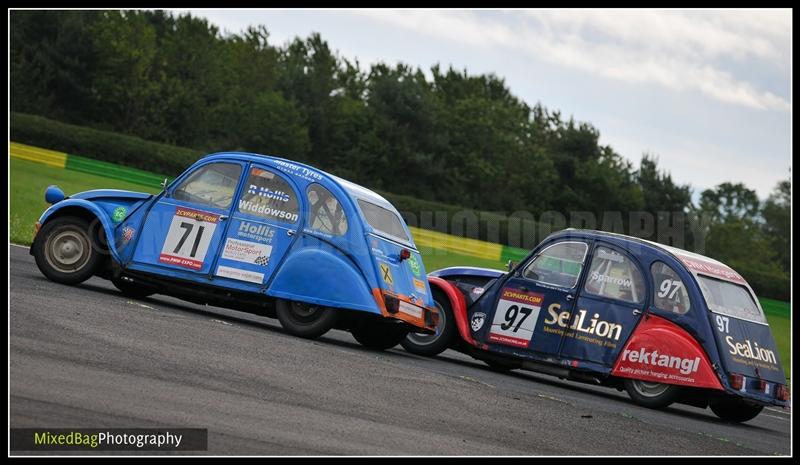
x=511, y=316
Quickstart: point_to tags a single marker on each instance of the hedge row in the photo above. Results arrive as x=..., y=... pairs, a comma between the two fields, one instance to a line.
x=101, y=145
x=770, y=284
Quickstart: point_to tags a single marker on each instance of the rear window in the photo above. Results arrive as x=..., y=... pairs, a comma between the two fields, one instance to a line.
x=383, y=220
x=730, y=299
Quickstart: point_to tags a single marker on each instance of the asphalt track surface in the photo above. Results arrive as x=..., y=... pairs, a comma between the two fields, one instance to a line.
x=86, y=356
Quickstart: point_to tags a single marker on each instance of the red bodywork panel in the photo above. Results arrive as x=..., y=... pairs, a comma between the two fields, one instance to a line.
x=457, y=303
x=661, y=351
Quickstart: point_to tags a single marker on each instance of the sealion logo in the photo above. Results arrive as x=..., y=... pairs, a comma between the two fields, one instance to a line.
x=414, y=264
x=477, y=320
x=119, y=214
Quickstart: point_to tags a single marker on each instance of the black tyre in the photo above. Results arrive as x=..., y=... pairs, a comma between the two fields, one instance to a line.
x=651, y=394
x=379, y=336
x=501, y=367
x=429, y=345
x=65, y=250
x=305, y=320
x=735, y=410
x=133, y=290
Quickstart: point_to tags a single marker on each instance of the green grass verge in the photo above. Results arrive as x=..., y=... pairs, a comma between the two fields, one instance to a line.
x=29, y=180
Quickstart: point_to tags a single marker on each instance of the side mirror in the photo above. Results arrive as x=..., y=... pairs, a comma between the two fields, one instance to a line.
x=510, y=265
x=164, y=184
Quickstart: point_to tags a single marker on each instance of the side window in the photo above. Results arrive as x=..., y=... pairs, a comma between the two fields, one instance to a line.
x=268, y=196
x=212, y=185
x=614, y=275
x=326, y=213
x=669, y=292
x=559, y=264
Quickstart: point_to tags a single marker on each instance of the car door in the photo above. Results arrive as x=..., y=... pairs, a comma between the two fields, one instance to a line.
x=612, y=298
x=183, y=229
x=262, y=227
x=532, y=306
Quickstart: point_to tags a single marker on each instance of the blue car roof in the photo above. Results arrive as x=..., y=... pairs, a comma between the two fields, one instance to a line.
x=354, y=190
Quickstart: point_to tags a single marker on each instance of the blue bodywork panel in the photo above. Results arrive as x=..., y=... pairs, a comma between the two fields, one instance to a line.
x=261, y=225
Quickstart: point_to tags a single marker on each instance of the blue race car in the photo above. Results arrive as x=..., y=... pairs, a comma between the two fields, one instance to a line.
x=662, y=323
x=254, y=233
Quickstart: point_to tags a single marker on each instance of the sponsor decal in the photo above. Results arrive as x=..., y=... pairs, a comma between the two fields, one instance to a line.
x=419, y=285
x=593, y=326
x=412, y=262
x=601, y=278
x=478, y=290
x=127, y=234
x=267, y=193
x=515, y=317
x=477, y=320
x=298, y=171
x=241, y=275
x=267, y=211
x=642, y=357
x=714, y=269
x=247, y=252
x=409, y=309
x=119, y=214
x=751, y=351
x=255, y=231
x=386, y=274
x=188, y=238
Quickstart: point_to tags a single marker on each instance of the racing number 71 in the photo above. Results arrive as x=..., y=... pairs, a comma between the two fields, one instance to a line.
x=187, y=227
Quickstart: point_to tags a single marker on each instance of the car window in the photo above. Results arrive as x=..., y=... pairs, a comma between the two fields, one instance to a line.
x=326, y=213
x=730, y=299
x=669, y=291
x=383, y=220
x=212, y=185
x=560, y=264
x=268, y=196
x=614, y=275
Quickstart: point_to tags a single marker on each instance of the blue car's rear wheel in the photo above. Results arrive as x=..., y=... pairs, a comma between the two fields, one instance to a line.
x=65, y=250
x=379, y=335
x=305, y=320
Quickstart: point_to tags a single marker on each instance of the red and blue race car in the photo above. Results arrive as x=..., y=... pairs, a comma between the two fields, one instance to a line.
x=254, y=233
x=662, y=323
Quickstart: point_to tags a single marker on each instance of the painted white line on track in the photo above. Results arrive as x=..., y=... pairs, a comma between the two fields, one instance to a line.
x=20, y=246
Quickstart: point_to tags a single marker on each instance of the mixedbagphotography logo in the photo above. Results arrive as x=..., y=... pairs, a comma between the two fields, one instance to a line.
x=102, y=439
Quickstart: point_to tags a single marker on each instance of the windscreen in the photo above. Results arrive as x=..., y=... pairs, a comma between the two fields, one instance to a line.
x=383, y=220
x=729, y=299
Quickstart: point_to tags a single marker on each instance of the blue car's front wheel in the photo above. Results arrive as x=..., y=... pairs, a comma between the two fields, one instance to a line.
x=305, y=320
x=65, y=250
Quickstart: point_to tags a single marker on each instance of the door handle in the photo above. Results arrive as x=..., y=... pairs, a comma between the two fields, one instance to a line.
x=289, y=232
x=223, y=217
x=637, y=312
x=569, y=297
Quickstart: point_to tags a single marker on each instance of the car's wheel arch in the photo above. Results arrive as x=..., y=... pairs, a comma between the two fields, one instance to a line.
x=457, y=304
x=89, y=212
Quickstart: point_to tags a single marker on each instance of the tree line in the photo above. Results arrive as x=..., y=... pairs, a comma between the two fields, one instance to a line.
x=446, y=136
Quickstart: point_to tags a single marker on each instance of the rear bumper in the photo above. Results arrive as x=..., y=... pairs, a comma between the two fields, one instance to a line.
x=401, y=307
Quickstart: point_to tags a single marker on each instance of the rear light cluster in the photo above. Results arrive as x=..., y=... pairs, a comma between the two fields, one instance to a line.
x=737, y=381
x=431, y=318
x=392, y=304
x=782, y=392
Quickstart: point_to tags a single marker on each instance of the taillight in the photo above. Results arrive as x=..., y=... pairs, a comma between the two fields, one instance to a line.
x=431, y=318
x=762, y=385
x=737, y=381
x=782, y=392
x=392, y=304
x=405, y=254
